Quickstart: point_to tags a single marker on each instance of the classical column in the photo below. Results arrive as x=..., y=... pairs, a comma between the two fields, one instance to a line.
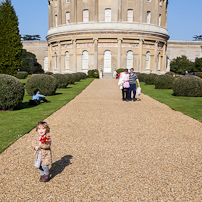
x=141, y=11
x=119, y=53
x=120, y=11
x=140, y=54
x=74, y=56
x=95, y=53
x=59, y=56
x=96, y=11
x=50, y=56
x=155, y=56
x=59, y=12
x=164, y=57
x=75, y=11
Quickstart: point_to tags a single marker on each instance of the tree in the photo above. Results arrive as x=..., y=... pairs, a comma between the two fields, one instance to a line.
x=181, y=64
x=198, y=65
x=30, y=37
x=30, y=64
x=197, y=38
x=10, y=40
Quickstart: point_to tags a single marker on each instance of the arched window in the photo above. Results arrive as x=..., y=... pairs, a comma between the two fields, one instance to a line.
x=159, y=19
x=67, y=17
x=85, y=15
x=130, y=15
x=56, y=20
x=56, y=61
x=129, y=60
x=148, y=17
x=147, y=66
x=108, y=15
x=67, y=60
x=107, y=61
x=159, y=62
x=160, y=2
x=46, y=64
x=85, y=60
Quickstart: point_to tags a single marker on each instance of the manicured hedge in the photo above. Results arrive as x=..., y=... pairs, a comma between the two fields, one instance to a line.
x=164, y=82
x=119, y=70
x=62, y=80
x=47, y=84
x=141, y=76
x=11, y=92
x=150, y=79
x=22, y=75
x=199, y=74
x=170, y=73
x=49, y=73
x=76, y=76
x=70, y=78
x=188, y=86
x=93, y=73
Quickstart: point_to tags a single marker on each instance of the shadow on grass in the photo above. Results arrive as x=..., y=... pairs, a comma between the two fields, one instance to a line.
x=58, y=166
x=26, y=105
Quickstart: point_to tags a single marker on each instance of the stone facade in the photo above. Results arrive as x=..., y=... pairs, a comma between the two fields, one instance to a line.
x=107, y=35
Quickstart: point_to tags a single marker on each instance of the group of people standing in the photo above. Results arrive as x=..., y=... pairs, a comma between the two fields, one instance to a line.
x=127, y=82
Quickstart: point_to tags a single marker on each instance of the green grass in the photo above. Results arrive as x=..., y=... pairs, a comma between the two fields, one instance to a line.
x=14, y=124
x=191, y=106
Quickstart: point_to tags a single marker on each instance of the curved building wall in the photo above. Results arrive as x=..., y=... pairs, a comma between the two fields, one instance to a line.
x=107, y=35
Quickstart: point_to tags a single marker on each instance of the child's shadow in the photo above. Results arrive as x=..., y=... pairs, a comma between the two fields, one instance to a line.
x=58, y=166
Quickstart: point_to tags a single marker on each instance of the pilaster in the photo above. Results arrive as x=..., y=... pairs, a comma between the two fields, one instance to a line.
x=140, y=54
x=74, y=56
x=119, y=53
x=155, y=56
x=59, y=56
x=95, y=53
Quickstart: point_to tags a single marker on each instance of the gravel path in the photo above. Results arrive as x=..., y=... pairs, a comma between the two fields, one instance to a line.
x=105, y=149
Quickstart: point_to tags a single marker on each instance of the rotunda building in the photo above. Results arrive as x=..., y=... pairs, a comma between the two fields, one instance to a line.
x=107, y=35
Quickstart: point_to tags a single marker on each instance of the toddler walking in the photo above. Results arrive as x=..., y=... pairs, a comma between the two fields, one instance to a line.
x=42, y=144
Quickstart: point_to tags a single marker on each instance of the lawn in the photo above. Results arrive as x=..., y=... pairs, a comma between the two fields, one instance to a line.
x=14, y=124
x=191, y=106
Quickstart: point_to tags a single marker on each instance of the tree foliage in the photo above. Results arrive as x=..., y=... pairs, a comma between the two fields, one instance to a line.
x=10, y=40
x=30, y=64
x=27, y=37
x=180, y=64
x=197, y=38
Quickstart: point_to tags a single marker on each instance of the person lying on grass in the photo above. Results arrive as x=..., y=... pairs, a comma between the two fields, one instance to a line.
x=42, y=144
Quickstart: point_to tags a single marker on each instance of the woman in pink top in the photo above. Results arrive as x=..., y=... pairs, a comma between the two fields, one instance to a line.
x=125, y=77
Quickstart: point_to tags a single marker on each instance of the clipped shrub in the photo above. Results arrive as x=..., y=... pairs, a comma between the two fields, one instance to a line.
x=49, y=73
x=93, y=73
x=141, y=76
x=21, y=75
x=76, y=76
x=62, y=80
x=82, y=75
x=170, y=73
x=150, y=79
x=11, y=92
x=199, y=74
x=188, y=86
x=47, y=84
x=164, y=82
x=119, y=70
x=70, y=78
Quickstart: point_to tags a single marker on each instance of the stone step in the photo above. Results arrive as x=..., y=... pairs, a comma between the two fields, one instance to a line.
x=107, y=76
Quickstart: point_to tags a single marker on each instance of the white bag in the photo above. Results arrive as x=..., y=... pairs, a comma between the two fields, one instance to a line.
x=138, y=91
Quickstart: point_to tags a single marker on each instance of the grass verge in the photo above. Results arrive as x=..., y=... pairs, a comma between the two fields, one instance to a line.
x=191, y=106
x=14, y=124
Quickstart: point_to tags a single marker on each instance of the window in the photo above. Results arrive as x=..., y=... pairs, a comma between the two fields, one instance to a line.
x=147, y=66
x=130, y=15
x=107, y=61
x=129, y=60
x=46, y=64
x=148, y=17
x=67, y=17
x=67, y=1
x=160, y=20
x=108, y=15
x=85, y=60
x=56, y=61
x=67, y=60
x=56, y=20
x=85, y=15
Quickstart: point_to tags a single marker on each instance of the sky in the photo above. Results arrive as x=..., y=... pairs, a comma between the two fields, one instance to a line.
x=184, y=18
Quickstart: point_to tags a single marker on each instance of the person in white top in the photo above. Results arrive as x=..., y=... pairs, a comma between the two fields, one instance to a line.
x=125, y=77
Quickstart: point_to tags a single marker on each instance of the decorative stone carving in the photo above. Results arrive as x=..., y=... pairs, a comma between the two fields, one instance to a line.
x=66, y=46
x=55, y=48
x=85, y=45
x=107, y=45
x=148, y=46
x=130, y=45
